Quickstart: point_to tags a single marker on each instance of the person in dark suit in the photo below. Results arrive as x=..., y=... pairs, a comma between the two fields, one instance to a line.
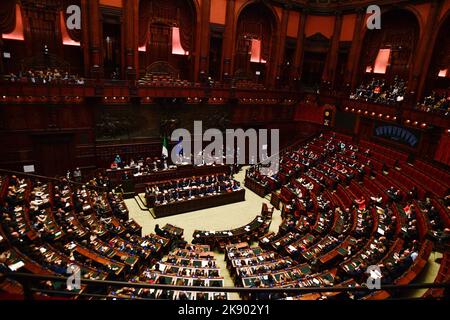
x=413, y=194
x=3, y=258
x=159, y=231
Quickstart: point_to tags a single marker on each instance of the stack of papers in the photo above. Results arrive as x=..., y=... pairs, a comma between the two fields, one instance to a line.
x=16, y=266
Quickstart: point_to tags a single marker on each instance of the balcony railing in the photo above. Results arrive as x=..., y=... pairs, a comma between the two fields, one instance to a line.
x=29, y=282
x=56, y=92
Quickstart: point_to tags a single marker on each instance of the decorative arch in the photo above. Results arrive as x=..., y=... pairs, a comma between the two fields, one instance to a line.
x=256, y=28
x=250, y=2
x=420, y=19
x=443, y=19
x=400, y=33
x=407, y=8
x=157, y=21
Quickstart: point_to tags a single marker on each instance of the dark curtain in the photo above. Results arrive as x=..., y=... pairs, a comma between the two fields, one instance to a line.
x=160, y=42
x=74, y=34
x=185, y=21
x=176, y=12
x=255, y=22
x=7, y=16
x=400, y=34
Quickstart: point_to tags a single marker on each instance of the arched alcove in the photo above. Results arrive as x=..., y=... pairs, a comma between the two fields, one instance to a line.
x=255, y=34
x=167, y=33
x=388, y=52
x=28, y=27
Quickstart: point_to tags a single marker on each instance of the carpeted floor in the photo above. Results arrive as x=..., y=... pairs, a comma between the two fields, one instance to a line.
x=237, y=215
x=215, y=219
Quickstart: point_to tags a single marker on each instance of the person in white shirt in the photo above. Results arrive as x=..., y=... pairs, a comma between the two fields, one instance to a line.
x=77, y=174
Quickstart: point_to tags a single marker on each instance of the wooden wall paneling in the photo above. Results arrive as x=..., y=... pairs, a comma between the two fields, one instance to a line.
x=54, y=152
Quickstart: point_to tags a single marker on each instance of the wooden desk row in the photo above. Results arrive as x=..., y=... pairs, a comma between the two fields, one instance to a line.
x=258, y=188
x=115, y=267
x=198, y=203
x=257, y=227
x=183, y=171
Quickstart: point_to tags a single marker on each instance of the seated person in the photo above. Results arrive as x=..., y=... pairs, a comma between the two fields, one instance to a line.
x=114, y=165
x=413, y=193
x=361, y=203
x=159, y=231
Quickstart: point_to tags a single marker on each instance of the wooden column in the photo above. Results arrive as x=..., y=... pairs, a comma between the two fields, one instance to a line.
x=27, y=32
x=280, y=47
x=228, y=41
x=136, y=36
x=59, y=49
x=424, y=52
x=332, y=58
x=355, y=50
x=85, y=36
x=2, y=68
x=95, y=40
x=194, y=56
x=205, y=34
x=299, y=48
x=130, y=13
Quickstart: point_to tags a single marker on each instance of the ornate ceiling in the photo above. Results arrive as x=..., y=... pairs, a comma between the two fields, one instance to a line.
x=326, y=6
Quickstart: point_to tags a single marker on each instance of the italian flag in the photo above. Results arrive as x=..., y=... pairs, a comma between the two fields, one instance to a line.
x=165, y=147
